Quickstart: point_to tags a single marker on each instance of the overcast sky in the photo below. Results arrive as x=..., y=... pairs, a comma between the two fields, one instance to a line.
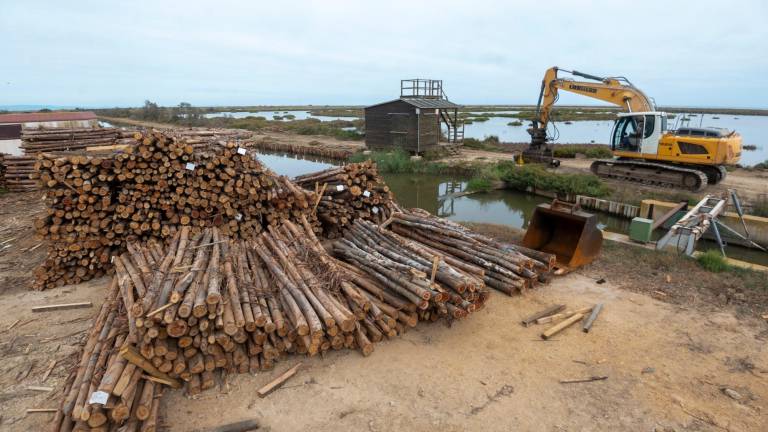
x=96, y=53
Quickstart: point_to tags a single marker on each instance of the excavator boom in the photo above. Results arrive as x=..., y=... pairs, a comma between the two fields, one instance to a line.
x=615, y=90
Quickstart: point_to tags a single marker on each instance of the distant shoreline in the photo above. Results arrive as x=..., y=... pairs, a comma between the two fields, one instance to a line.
x=465, y=108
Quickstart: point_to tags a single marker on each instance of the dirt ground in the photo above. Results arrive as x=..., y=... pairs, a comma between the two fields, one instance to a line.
x=668, y=362
x=667, y=276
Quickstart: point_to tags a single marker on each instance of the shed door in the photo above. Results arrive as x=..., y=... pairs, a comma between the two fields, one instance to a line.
x=10, y=131
x=399, y=124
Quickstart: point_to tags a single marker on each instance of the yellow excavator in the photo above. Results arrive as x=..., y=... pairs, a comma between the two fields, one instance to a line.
x=644, y=150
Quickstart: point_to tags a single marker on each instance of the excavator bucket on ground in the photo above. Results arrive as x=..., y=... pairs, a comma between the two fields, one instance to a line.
x=566, y=231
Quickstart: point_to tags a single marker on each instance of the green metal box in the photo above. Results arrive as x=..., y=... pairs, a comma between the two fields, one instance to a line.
x=640, y=229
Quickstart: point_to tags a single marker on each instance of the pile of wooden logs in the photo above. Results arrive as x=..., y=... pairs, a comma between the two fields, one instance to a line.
x=65, y=139
x=2, y=170
x=506, y=268
x=17, y=171
x=98, y=202
x=301, y=149
x=348, y=193
x=413, y=272
x=206, y=137
x=209, y=303
x=107, y=390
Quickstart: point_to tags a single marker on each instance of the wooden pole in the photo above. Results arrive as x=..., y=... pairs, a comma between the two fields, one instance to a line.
x=592, y=317
x=551, y=310
x=277, y=382
x=557, y=328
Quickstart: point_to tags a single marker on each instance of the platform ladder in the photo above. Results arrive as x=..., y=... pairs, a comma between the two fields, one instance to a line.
x=455, y=126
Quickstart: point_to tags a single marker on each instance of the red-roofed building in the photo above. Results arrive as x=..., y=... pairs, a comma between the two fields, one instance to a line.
x=12, y=124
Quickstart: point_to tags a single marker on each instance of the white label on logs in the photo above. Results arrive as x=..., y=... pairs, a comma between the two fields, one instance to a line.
x=190, y=166
x=240, y=150
x=112, y=259
x=375, y=210
x=367, y=194
x=238, y=217
x=339, y=188
x=99, y=397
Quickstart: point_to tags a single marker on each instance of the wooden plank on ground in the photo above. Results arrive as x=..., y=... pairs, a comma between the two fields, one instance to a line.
x=542, y=313
x=63, y=306
x=277, y=382
x=584, y=380
x=557, y=328
x=41, y=410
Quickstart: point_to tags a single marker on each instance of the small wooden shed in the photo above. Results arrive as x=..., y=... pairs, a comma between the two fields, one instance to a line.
x=416, y=121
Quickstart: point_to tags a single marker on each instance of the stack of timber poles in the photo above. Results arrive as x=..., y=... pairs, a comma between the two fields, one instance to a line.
x=106, y=389
x=65, y=139
x=202, y=137
x=347, y=193
x=2, y=170
x=507, y=268
x=299, y=149
x=96, y=203
x=17, y=172
x=208, y=304
x=411, y=271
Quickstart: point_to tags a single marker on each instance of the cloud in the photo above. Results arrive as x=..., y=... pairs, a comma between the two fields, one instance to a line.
x=350, y=52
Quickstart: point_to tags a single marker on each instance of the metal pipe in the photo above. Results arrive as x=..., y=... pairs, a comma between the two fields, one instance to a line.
x=588, y=76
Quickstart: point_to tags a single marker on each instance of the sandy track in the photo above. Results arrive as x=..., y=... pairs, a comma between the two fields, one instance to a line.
x=666, y=367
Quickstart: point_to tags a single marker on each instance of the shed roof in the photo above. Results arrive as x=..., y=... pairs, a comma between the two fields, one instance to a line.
x=46, y=116
x=423, y=103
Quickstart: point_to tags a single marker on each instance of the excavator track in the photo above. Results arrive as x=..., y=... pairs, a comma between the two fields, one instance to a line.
x=723, y=172
x=651, y=173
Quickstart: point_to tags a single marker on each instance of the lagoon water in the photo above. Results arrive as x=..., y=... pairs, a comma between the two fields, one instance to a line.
x=753, y=130
x=269, y=115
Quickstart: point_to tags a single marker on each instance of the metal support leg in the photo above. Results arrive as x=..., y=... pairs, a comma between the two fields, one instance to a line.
x=737, y=234
x=717, y=236
x=739, y=211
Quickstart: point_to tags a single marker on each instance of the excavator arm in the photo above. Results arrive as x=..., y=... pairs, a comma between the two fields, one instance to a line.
x=615, y=90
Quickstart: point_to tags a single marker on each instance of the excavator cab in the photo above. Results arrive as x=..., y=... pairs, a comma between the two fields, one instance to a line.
x=638, y=132
x=563, y=229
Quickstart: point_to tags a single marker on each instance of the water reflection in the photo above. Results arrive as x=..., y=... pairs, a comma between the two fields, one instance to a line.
x=504, y=207
x=294, y=165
